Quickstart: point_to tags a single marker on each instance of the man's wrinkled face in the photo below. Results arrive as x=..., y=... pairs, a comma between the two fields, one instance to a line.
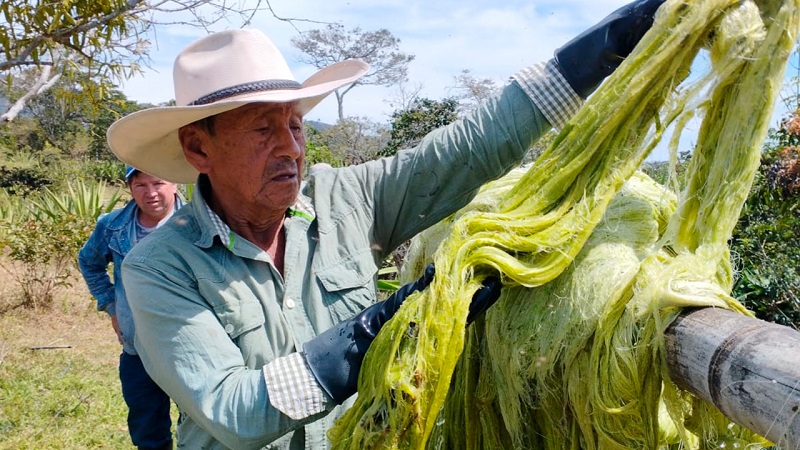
x=255, y=155
x=154, y=196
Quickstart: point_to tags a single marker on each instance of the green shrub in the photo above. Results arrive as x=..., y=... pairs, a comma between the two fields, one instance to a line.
x=766, y=241
x=319, y=154
x=105, y=170
x=23, y=180
x=40, y=255
x=41, y=240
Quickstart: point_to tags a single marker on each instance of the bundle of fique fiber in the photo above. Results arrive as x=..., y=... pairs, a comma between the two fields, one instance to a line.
x=596, y=260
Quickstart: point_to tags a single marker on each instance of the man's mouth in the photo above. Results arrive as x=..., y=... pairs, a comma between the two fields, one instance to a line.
x=285, y=176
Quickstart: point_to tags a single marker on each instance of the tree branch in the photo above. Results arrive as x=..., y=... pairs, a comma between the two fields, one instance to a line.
x=62, y=36
x=42, y=84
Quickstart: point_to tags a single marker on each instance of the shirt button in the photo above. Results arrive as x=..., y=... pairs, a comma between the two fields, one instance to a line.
x=229, y=328
x=289, y=303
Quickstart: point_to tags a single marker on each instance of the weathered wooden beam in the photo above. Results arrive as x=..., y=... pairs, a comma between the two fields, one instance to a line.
x=748, y=368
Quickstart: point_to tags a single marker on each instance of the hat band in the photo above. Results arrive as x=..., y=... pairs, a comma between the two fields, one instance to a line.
x=245, y=88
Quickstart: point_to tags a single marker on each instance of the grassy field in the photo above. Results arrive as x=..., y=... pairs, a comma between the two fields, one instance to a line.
x=59, y=385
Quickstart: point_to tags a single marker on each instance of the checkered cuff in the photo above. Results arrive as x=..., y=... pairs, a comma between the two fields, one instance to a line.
x=292, y=388
x=549, y=91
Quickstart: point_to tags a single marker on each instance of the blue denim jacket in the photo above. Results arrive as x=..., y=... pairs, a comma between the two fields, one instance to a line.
x=110, y=241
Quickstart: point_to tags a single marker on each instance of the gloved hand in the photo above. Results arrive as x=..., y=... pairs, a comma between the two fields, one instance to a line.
x=484, y=297
x=335, y=356
x=593, y=55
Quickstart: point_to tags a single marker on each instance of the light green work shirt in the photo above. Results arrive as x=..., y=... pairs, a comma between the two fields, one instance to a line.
x=211, y=316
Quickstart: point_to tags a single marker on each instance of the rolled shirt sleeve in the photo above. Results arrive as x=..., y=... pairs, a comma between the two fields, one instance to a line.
x=293, y=389
x=549, y=91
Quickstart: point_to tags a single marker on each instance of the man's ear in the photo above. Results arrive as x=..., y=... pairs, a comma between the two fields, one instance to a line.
x=193, y=140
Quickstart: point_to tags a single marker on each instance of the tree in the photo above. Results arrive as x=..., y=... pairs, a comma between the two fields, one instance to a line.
x=404, y=96
x=423, y=116
x=90, y=43
x=117, y=106
x=471, y=91
x=379, y=49
x=353, y=140
x=62, y=120
x=63, y=124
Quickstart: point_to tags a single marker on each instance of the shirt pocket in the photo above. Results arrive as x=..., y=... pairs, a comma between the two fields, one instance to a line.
x=224, y=284
x=241, y=315
x=349, y=285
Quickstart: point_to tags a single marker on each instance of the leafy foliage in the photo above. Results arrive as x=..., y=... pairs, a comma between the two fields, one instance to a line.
x=73, y=39
x=423, y=116
x=117, y=105
x=23, y=181
x=62, y=123
x=42, y=255
x=105, y=170
x=22, y=137
x=86, y=201
x=767, y=238
x=317, y=151
x=11, y=207
x=41, y=242
x=669, y=174
x=92, y=45
x=351, y=141
x=50, y=128
x=387, y=277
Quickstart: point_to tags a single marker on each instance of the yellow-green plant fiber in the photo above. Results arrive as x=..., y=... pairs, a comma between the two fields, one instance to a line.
x=597, y=260
x=553, y=332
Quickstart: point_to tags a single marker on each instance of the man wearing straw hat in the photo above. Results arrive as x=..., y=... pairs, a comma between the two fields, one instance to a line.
x=255, y=305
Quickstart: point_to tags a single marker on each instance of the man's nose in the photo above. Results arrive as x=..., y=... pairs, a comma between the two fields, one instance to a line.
x=288, y=144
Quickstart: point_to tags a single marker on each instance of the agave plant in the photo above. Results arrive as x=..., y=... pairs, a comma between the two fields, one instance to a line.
x=11, y=207
x=85, y=200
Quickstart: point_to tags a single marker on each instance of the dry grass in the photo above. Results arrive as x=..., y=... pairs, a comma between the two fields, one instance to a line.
x=72, y=321
x=67, y=396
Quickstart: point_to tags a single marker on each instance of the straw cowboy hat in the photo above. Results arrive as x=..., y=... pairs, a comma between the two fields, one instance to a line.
x=218, y=73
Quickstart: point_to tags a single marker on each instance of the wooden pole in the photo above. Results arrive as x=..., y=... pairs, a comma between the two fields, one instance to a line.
x=748, y=368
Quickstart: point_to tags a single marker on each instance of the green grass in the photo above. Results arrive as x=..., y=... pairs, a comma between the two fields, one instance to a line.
x=60, y=398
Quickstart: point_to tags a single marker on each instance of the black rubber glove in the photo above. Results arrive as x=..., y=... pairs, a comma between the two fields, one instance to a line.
x=594, y=54
x=335, y=356
x=483, y=298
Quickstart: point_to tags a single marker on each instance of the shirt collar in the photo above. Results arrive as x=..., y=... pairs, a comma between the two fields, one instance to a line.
x=302, y=208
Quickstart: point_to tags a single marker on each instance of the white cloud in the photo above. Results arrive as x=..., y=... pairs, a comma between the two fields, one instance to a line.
x=445, y=36
x=492, y=40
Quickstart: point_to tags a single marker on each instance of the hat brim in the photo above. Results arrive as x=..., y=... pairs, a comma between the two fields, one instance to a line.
x=148, y=139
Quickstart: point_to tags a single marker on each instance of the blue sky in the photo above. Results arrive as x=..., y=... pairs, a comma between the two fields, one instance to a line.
x=490, y=39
